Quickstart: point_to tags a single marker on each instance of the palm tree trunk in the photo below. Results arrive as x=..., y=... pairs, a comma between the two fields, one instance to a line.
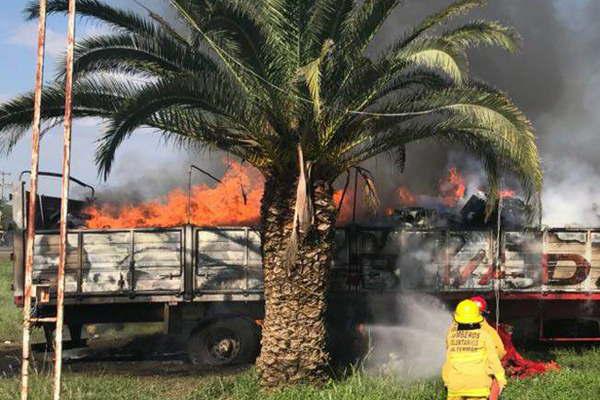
x=294, y=335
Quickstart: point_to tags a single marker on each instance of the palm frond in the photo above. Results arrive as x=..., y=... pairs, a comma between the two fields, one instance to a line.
x=440, y=57
x=370, y=196
x=484, y=33
x=125, y=53
x=210, y=97
x=125, y=20
x=364, y=23
x=325, y=23
x=97, y=97
x=312, y=76
x=260, y=78
x=456, y=8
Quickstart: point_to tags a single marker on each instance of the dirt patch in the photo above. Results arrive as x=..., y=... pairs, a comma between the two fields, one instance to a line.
x=154, y=355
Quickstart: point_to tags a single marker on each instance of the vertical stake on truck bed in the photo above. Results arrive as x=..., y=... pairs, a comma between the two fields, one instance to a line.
x=30, y=217
x=64, y=201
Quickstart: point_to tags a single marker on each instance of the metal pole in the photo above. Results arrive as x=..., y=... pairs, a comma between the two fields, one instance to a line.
x=189, y=199
x=214, y=178
x=4, y=175
x=343, y=194
x=64, y=201
x=355, y=194
x=539, y=208
x=211, y=176
x=30, y=218
x=497, y=255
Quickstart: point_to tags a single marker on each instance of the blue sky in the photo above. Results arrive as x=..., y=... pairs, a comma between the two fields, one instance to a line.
x=17, y=71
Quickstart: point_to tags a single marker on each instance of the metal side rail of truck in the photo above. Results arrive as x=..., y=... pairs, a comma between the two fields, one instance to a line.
x=205, y=283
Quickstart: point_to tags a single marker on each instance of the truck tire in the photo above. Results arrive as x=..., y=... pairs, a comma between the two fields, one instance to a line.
x=224, y=342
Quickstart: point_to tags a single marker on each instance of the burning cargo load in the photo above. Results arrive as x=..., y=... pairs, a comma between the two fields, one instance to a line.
x=235, y=201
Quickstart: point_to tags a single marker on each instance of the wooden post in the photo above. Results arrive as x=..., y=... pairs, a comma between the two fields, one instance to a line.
x=30, y=218
x=64, y=201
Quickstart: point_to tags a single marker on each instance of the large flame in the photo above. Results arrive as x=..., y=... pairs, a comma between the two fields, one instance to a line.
x=452, y=189
x=234, y=201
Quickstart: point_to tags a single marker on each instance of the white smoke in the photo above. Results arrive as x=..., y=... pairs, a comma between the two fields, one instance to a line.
x=571, y=193
x=416, y=347
x=135, y=179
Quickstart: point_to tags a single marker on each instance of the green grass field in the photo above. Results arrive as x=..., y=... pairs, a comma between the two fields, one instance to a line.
x=10, y=316
x=579, y=378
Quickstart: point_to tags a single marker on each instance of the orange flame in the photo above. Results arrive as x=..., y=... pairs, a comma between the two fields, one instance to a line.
x=406, y=197
x=345, y=214
x=223, y=204
x=452, y=189
x=507, y=193
x=236, y=202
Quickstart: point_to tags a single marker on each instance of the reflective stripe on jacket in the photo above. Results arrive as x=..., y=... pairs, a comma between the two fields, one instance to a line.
x=471, y=362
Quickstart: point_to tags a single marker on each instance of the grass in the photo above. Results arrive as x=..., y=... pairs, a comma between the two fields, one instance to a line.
x=10, y=316
x=103, y=386
x=243, y=386
x=579, y=378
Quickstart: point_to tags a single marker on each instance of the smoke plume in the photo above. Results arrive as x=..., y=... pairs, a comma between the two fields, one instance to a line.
x=415, y=348
x=554, y=79
x=139, y=180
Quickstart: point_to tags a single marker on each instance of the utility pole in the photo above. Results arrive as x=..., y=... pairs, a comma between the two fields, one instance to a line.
x=3, y=175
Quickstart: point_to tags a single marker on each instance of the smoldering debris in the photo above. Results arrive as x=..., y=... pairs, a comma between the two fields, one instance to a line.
x=414, y=348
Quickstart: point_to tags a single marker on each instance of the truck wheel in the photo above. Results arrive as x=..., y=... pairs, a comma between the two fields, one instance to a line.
x=224, y=342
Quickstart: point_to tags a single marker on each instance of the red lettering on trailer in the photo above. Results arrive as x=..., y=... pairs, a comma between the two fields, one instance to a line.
x=550, y=262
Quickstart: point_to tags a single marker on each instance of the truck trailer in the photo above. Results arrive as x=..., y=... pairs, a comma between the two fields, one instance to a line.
x=205, y=283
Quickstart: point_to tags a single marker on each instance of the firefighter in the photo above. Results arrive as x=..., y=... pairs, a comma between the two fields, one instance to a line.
x=482, y=303
x=471, y=358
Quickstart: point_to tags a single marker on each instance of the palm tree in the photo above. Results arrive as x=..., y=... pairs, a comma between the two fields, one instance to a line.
x=287, y=86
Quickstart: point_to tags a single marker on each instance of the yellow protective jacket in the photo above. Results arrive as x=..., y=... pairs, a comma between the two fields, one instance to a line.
x=496, y=338
x=471, y=362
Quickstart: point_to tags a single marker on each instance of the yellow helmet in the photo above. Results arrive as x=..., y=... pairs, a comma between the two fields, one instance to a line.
x=467, y=312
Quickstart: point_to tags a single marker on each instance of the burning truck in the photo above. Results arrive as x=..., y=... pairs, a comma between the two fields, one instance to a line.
x=193, y=261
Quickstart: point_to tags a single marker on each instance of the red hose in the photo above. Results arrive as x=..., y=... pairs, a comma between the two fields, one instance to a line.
x=516, y=365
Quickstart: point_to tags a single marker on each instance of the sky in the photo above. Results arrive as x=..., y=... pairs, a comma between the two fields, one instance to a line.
x=555, y=79
x=18, y=39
